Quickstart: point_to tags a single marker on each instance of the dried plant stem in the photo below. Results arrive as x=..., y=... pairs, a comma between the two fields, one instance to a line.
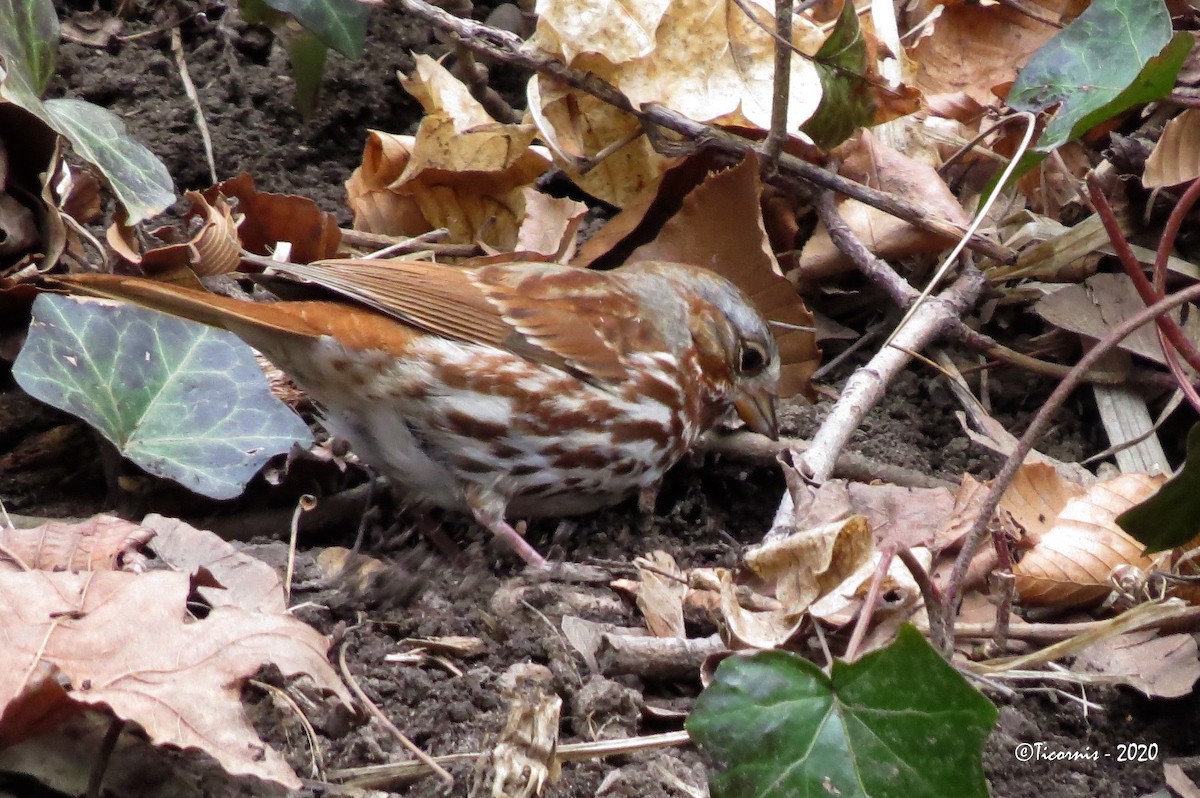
x=794, y=174
x=377, y=713
x=754, y=448
x=867, y=612
x=189, y=89
x=1149, y=293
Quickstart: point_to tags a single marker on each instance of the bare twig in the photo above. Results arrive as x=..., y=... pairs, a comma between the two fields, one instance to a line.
x=904, y=296
x=1167, y=327
x=782, y=89
x=754, y=448
x=103, y=757
x=865, y=387
x=795, y=174
x=929, y=591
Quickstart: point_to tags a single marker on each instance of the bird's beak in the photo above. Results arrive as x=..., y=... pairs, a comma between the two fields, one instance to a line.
x=757, y=409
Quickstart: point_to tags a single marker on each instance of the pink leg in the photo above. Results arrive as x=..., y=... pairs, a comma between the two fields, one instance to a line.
x=488, y=509
x=517, y=543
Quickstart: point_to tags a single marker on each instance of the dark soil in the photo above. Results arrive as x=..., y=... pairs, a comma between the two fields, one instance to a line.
x=704, y=510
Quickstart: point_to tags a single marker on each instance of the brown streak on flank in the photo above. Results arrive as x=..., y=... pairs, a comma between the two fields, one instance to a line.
x=468, y=426
x=569, y=459
x=626, y=431
x=504, y=451
x=623, y=468
x=472, y=466
x=524, y=470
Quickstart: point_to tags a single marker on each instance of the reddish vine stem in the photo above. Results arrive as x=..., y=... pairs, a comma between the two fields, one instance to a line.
x=1129, y=263
x=1165, y=245
x=979, y=529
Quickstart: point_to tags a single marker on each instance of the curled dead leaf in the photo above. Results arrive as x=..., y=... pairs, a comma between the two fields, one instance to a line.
x=1073, y=561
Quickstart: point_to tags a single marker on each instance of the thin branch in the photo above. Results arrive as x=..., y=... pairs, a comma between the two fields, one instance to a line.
x=782, y=88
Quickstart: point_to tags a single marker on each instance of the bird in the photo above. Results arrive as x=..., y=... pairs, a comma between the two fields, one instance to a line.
x=514, y=389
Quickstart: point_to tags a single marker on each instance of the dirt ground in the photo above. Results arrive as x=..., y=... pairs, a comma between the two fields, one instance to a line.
x=705, y=510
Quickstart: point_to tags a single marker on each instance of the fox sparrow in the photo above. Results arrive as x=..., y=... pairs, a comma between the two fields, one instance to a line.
x=520, y=388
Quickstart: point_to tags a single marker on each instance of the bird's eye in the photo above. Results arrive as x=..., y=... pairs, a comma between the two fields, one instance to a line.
x=753, y=359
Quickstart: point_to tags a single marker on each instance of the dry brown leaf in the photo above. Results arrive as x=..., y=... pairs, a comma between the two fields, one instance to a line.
x=660, y=594
x=465, y=171
x=214, y=247
x=1175, y=158
x=550, y=227
x=973, y=48
x=36, y=706
x=1073, y=561
x=619, y=31
x=841, y=605
x=1102, y=302
x=127, y=642
x=18, y=227
x=268, y=219
x=910, y=516
x=765, y=629
x=101, y=543
x=708, y=61
x=1035, y=497
x=808, y=564
x=703, y=58
x=882, y=167
x=719, y=226
x=376, y=208
x=1160, y=667
x=576, y=127
x=245, y=581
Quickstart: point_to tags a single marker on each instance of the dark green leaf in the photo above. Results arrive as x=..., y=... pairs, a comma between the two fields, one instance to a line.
x=28, y=44
x=847, y=102
x=307, y=54
x=341, y=24
x=1100, y=65
x=181, y=400
x=1170, y=517
x=899, y=722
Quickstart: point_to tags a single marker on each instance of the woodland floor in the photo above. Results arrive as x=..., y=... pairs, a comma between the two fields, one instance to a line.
x=704, y=509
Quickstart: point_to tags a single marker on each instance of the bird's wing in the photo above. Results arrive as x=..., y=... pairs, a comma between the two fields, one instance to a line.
x=579, y=320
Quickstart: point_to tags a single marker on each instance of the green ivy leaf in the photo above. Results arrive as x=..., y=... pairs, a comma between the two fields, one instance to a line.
x=1115, y=55
x=182, y=400
x=28, y=43
x=1170, y=517
x=138, y=178
x=846, y=101
x=898, y=722
x=341, y=24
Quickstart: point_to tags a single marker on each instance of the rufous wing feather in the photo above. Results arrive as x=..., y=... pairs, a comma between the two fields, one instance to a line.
x=356, y=328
